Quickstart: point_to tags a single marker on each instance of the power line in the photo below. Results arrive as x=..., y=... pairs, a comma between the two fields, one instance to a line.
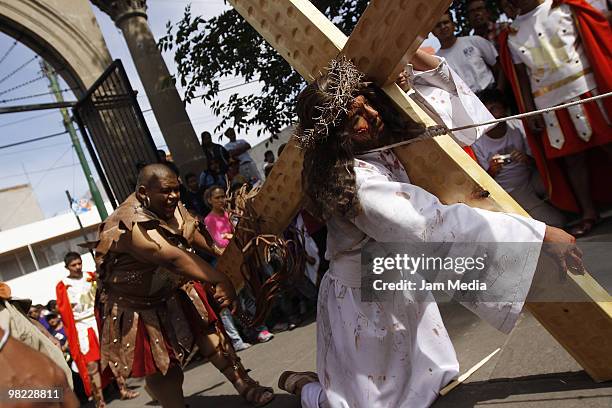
x=21, y=85
x=14, y=153
x=220, y=90
x=36, y=139
x=35, y=95
x=26, y=119
x=19, y=68
x=63, y=166
x=37, y=184
x=8, y=52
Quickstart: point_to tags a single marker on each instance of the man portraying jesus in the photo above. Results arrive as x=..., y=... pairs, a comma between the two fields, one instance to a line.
x=397, y=353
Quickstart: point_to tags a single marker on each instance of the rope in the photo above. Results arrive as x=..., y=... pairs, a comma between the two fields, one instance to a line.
x=441, y=130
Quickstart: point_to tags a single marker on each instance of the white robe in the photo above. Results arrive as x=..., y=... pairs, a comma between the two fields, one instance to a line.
x=398, y=353
x=449, y=101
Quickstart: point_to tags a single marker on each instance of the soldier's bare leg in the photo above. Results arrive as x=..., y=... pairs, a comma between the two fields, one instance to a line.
x=167, y=389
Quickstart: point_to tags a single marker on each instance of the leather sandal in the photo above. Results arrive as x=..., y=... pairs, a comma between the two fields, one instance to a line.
x=292, y=381
x=249, y=389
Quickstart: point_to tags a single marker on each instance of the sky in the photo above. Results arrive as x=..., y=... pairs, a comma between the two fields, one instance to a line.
x=50, y=165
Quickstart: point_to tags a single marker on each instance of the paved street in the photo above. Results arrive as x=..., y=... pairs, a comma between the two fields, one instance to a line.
x=532, y=370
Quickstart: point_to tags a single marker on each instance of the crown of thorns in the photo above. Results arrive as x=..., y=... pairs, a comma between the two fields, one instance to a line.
x=344, y=81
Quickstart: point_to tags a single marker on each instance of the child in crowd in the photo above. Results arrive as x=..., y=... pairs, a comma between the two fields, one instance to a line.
x=504, y=153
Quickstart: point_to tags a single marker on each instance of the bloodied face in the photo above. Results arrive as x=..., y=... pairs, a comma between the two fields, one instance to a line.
x=364, y=124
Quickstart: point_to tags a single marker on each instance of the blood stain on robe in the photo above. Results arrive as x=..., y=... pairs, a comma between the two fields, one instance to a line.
x=403, y=194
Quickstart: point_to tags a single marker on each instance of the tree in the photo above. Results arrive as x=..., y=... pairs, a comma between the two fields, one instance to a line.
x=226, y=45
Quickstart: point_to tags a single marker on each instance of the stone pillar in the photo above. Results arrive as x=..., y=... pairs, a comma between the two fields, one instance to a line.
x=131, y=17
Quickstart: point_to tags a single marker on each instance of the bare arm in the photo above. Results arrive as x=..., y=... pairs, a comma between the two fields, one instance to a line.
x=422, y=61
x=153, y=247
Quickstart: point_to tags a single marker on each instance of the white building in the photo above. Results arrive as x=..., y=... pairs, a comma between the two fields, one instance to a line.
x=19, y=206
x=31, y=256
x=258, y=151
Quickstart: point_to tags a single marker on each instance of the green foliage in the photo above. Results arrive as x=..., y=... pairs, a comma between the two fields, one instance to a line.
x=226, y=46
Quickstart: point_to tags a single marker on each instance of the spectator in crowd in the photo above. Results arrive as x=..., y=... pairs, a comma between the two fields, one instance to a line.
x=191, y=196
x=234, y=176
x=268, y=170
x=239, y=150
x=472, y=57
x=214, y=151
x=480, y=20
x=163, y=158
x=56, y=328
x=51, y=307
x=221, y=230
x=268, y=160
x=38, y=314
x=213, y=176
x=504, y=153
x=509, y=10
x=550, y=60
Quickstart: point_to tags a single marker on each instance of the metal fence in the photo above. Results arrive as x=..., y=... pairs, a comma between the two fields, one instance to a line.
x=115, y=132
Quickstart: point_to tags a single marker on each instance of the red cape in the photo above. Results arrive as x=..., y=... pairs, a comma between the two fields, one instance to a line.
x=596, y=36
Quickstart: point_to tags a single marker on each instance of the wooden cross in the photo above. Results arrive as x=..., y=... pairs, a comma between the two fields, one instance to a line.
x=387, y=34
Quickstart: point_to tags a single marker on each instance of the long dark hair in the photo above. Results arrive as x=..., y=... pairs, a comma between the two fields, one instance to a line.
x=328, y=174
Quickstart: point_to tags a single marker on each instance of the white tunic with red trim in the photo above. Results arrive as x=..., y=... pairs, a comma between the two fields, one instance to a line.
x=81, y=295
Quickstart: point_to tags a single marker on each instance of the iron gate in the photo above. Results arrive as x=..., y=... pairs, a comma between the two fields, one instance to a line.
x=115, y=132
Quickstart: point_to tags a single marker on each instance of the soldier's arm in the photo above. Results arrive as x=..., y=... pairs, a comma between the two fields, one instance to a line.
x=151, y=246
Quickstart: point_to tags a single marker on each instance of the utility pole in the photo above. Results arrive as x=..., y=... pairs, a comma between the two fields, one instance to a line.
x=93, y=188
